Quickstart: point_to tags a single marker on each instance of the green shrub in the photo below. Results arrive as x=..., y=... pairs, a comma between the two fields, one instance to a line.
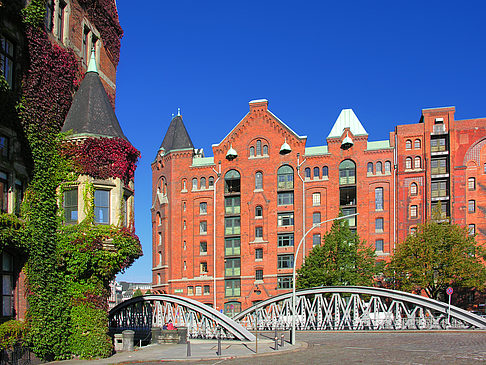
x=12, y=333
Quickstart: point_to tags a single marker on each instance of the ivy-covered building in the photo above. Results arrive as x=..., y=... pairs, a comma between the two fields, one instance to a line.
x=225, y=228
x=66, y=173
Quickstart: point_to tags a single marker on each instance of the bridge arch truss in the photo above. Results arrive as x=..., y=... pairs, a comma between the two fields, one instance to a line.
x=142, y=313
x=356, y=308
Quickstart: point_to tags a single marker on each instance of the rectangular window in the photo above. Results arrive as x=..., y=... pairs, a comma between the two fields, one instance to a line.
x=190, y=290
x=232, y=226
x=203, y=268
x=351, y=220
x=471, y=183
x=7, y=284
x=258, y=253
x=379, y=245
x=259, y=274
x=85, y=45
x=316, y=199
x=60, y=20
x=160, y=238
x=102, y=206
x=472, y=229
x=19, y=195
x=285, y=198
x=232, y=246
x=232, y=266
x=379, y=199
x=203, y=227
x=232, y=205
x=444, y=209
x=471, y=206
x=71, y=206
x=285, y=239
x=285, y=261
x=413, y=211
x=284, y=282
x=49, y=13
x=203, y=208
x=438, y=166
x=259, y=232
x=316, y=239
x=285, y=219
x=4, y=146
x=7, y=60
x=206, y=290
x=198, y=290
x=379, y=224
x=437, y=145
x=316, y=218
x=232, y=288
x=438, y=189
x=203, y=248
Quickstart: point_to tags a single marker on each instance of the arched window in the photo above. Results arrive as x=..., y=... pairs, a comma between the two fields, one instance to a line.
x=413, y=189
x=307, y=173
x=379, y=167
x=471, y=183
x=408, y=163
x=258, y=211
x=252, y=151
x=408, y=144
x=316, y=172
x=184, y=185
x=417, y=162
x=158, y=219
x=203, y=183
x=325, y=172
x=369, y=169
x=258, y=180
x=285, y=177
x=259, y=148
x=194, y=184
x=347, y=172
x=211, y=182
x=265, y=150
x=417, y=143
x=232, y=182
x=387, y=167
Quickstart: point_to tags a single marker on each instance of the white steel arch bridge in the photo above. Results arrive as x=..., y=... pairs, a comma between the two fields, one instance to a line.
x=357, y=308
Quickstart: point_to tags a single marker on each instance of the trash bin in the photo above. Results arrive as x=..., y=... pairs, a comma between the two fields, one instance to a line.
x=155, y=335
x=182, y=331
x=128, y=336
x=118, y=342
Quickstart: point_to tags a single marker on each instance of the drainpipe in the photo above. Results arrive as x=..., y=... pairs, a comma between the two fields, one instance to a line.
x=395, y=166
x=303, y=205
x=214, y=233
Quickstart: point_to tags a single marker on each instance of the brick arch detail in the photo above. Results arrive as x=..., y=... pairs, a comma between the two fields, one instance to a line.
x=474, y=152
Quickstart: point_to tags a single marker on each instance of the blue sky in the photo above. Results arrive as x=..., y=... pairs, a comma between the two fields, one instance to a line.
x=386, y=60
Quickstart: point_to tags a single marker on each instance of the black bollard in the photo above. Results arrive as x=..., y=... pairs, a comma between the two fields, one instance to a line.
x=188, y=348
x=219, y=345
x=282, y=341
x=276, y=343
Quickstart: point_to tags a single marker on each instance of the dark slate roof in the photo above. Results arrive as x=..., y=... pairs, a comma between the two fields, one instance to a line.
x=176, y=137
x=91, y=112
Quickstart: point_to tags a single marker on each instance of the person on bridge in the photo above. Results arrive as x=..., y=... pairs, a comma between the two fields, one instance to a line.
x=170, y=326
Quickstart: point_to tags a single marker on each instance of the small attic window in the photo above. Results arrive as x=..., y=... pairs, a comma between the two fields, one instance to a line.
x=439, y=121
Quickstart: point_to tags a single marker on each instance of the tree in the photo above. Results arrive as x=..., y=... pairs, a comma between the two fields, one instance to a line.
x=342, y=259
x=148, y=292
x=137, y=293
x=438, y=255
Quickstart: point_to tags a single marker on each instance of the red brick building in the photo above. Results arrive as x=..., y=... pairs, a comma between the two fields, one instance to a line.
x=225, y=227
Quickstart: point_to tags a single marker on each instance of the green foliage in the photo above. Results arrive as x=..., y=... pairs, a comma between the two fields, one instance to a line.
x=34, y=13
x=342, y=259
x=12, y=333
x=90, y=327
x=438, y=255
x=137, y=293
x=148, y=292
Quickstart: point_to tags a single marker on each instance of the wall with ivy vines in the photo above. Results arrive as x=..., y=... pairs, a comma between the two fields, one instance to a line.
x=68, y=270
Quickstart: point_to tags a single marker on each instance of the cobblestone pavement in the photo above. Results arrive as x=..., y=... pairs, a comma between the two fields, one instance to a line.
x=419, y=347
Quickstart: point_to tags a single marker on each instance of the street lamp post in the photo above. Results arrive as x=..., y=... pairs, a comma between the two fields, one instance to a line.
x=292, y=339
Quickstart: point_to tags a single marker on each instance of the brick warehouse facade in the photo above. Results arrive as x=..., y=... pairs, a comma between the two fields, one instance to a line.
x=225, y=227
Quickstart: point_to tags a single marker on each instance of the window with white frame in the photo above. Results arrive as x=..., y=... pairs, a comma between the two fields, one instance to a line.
x=70, y=205
x=203, y=248
x=316, y=218
x=413, y=211
x=413, y=189
x=471, y=206
x=285, y=239
x=259, y=233
x=379, y=224
x=418, y=163
x=203, y=268
x=316, y=199
x=316, y=239
x=259, y=274
x=284, y=282
x=379, y=199
x=258, y=211
x=203, y=227
x=379, y=245
x=408, y=144
x=408, y=163
x=259, y=180
x=258, y=253
x=203, y=208
x=285, y=261
x=471, y=183
x=102, y=206
x=285, y=219
x=417, y=143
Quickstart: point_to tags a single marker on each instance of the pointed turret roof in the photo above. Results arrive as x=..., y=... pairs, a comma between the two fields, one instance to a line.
x=176, y=137
x=347, y=119
x=91, y=113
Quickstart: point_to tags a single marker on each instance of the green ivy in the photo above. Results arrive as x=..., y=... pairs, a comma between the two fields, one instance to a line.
x=12, y=333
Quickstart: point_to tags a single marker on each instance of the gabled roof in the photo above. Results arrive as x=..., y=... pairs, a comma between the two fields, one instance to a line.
x=176, y=137
x=347, y=119
x=91, y=113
